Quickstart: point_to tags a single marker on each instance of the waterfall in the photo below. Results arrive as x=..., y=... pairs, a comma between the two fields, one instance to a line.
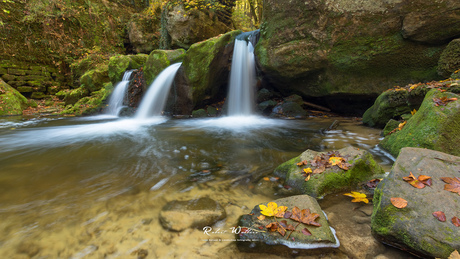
x=242, y=80
x=118, y=95
x=153, y=102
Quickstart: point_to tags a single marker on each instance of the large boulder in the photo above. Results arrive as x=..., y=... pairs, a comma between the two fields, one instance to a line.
x=11, y=101
x=118, y=64
x=434, y=126
x=203, y=77
x=450, y=59
x=94, y=79
x=253, y=236
x=90, y=104
x=414, y=228
x=186, y=26
x=158, y=60
x=345, y=53
x=143, y=33
x=332, y=178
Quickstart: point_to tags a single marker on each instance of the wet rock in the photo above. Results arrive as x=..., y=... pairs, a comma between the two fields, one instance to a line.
x=158, y=60
x=361, y=56
x=414, y=228
x=94, y=79
x=200, y=113
x=11, y=101
x=255, y=238
x=197, y=213
x=288, y=109
x=29, y=248
x=433, y=127
x=120, y=63
x=362, y=168
x=143, y=33
x=450, y=59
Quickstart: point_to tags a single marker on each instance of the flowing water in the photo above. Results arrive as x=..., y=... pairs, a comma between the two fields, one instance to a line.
x=153, y=102
x=93, y=188
x=242, y=80
x=118, y=95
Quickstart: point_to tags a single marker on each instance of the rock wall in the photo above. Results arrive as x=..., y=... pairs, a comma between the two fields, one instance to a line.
x=343, y=53
x=31, y=80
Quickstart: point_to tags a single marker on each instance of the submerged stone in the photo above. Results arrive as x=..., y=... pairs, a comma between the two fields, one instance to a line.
x=255, y=237
x=414, y=228
x=333, y=179
x=433, y=127
x=197, y=213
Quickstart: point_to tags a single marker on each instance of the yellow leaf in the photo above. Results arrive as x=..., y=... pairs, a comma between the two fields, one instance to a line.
x=272, y=210
x=261, y=217
x=413, y=112
x=308, y=178
x=357, y=197
x=307, y=170
x=335, y=160
x=401, y=125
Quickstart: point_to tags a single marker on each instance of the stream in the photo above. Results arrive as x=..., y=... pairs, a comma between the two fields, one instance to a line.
x=93, y=187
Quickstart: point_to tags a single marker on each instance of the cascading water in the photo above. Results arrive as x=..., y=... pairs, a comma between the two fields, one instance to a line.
x=242, y=79
x=118, y=95
x=155, y=99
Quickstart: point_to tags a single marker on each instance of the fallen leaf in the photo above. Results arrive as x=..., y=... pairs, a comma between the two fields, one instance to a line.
x=307, y=170
x=398, y=202
x=272, y=210
x=452, y=184
x=261, y=217
x=302, y=163
x=426, y=180
x=456, y=221
x=306, y=232
x=287, y=214
x=454, y=255
x=335, y=160
x=319, y=170
x=443, y=101
x=273, y=226
x=414, y=181
x=287, y=226
x=305, y=216
x=413, y=112
x=357, y=197
x=440, y=216
x=308, y=178
x=266, y=178
x=373, y=183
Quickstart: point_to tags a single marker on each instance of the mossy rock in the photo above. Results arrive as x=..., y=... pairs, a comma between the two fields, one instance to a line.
x=332, y=180
x=81, y=66
x=414, y=228
x=449, y=62
x=391, y=125
x=120, y=63
x=158, y=60
x=92, y=104
x=94, y=80
x=433, y=127
x=289, y=109
x=201, y=113
x=11, y=101
x=198, y=65
x=74, y=95
x=393, y=103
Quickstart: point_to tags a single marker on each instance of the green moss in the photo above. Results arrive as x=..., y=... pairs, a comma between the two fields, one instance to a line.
x=11, y=101
x=93, y=80
x=90, y=104
x=431, y=127
x=158, y=60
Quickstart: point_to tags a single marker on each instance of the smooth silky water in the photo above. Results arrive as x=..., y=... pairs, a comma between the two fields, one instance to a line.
x=93, y=188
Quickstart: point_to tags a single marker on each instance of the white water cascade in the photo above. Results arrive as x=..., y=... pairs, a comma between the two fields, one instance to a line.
x=242, y=80
x=118, y=95
x=153, y=102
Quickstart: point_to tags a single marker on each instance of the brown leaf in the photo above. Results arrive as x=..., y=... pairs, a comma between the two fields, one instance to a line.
x=398, y=202
x=414, y=181
x=296, y=214
x=287, y=226
x=344, y=165
x=282, y=231
x=309, y=218
x=272, y=226
x=452, y=184
x=456, y=221
x=426, y=180
x=373, y=183
x=306, y=232
x=287, y=214
x=440, y=216
x=319, y=170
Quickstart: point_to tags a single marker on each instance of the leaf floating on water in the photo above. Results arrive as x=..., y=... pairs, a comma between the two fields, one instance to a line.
x=398, y=202
x=456, y=221
x=440, y=216
x=452, y=184
x=357, y=197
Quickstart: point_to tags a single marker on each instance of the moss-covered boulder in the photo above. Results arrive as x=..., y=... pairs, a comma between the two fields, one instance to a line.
x=92, y=104
x=158, y=60
x=450, y=59
x=206, y=68
x=414, y=228
x=433, y=127
x=331, y=179
x=72, y=96
x=94, y=80
x=343, y=52
x=143, y=32
x=11, y=101
x=252, y=239
x=120, y=63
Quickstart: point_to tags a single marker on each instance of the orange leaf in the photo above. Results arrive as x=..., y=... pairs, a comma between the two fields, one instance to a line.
x=440, y=216
x=453, y=184
x=426, y=180
x=414, y=181
x=261, y=217
x=398, y=202
x=456, y=221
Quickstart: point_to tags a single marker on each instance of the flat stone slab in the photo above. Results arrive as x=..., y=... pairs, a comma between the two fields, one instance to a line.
x=255, y=237
x=414, y=228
